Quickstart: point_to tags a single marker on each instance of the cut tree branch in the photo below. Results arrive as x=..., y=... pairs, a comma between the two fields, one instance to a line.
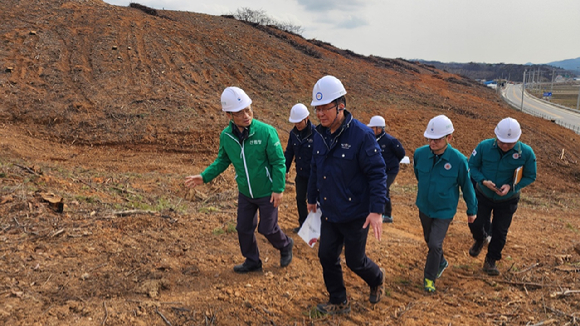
x=164, y=319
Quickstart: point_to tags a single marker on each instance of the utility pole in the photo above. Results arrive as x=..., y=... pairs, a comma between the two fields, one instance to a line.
x=533, y=75
x=538, y=82
x=578, y=101
x=523, y=88
x=552, y=87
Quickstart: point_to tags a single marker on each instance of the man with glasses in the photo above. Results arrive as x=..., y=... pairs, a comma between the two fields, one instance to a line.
x=392, y=152
x=254, y=149
x=441, y=171
x=348, y=180
x=501, y=167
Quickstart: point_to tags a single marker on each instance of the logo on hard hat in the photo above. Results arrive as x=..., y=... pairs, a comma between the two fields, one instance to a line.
x=239, y=99
x=319, y=96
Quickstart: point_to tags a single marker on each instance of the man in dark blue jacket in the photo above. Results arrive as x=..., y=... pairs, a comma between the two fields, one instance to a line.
x=348, y=179
x=299, y=149
x=393, y=152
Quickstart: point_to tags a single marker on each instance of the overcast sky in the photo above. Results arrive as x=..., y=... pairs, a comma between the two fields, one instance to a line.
x=490, y=31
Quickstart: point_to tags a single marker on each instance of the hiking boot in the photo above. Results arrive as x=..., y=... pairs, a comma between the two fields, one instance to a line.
x=490, y=268
x=378, y=291
x=247, y=267
x=475, y=250
x=429, y=285
x=334, y=309
x=387, y=219
x=286, y=254
x=442, y=266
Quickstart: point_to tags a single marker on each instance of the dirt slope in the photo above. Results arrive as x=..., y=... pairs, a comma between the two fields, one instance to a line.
x=110, y=108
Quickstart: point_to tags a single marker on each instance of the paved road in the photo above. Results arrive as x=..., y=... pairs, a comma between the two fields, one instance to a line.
x=568, y=118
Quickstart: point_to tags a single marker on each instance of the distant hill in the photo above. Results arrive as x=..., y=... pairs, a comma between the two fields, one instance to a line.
x=490, y=71
x=568, y=64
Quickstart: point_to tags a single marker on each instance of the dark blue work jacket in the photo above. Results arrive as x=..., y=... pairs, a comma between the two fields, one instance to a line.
x=299, y=149
x=348, y=176
x=392, y=151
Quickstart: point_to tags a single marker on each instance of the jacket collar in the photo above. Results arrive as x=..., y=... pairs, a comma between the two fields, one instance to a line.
x=381, y=135
x=445, y=155
x=345, y=125
x=517, y=148
x=304, y=133
x=331, y=139
x=235, y=132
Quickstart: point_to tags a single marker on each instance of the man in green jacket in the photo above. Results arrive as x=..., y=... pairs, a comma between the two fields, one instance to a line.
x=501, y=166
x=254, y=149
x=440, y=171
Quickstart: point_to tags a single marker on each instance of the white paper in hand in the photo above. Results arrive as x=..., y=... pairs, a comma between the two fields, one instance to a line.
x=310, y=230
x=405, y=160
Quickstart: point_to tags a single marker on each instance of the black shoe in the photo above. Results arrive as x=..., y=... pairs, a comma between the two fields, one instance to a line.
x=286, y=254
x=248, y=267
x=334, y=309
x=475, y=250
x=490, y=268
x=378, y=291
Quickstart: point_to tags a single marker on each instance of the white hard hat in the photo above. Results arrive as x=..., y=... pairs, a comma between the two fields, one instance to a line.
x=234, y=99
x=439, y=127
x=326, y=90
x=508, y=130
x=298, y=113
x=377, y=121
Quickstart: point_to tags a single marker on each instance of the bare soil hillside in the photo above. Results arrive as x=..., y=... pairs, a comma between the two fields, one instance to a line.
x=103, y=112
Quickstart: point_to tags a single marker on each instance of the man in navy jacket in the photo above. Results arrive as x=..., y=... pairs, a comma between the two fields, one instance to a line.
x=348, y=179
x=392, y=152
x=299, y=149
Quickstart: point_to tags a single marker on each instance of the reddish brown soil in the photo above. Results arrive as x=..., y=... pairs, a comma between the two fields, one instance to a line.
x=110, y=108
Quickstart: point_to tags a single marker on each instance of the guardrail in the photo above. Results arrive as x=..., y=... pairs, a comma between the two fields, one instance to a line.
x=560, y=122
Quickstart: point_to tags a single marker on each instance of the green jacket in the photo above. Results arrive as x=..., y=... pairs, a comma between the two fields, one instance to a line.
x=259, y=160
x=439, y=182
x=488, y=162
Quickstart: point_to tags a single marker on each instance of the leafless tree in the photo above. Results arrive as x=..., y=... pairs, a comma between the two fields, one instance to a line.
x=260, y=17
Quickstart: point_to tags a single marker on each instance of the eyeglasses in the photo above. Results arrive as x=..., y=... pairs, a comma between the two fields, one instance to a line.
x=321, y=110
x=242, y=113
x=436, y=140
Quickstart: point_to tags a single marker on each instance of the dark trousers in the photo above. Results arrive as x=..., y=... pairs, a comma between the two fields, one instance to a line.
x=434, y=231
x=388, y=206
x=351, y=235
x=487, y=224
x=503, y=212
x=301, y=187
x=248, y=221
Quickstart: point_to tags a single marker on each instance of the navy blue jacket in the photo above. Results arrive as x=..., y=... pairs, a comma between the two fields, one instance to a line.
x=348, y=176
x=392, y=151
x=299, y=149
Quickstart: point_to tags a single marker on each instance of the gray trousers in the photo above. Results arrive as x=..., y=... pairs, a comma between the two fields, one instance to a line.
x=248, y=221
x=434, y=231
